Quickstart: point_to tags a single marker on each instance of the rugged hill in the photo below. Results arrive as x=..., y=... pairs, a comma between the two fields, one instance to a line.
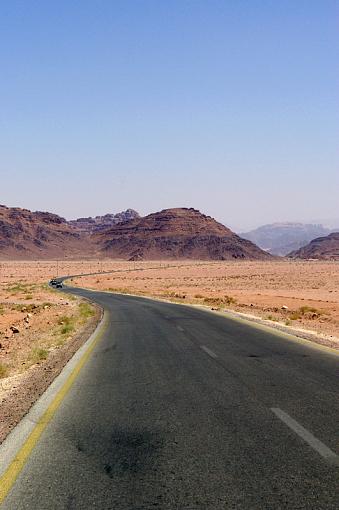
x=324, y=248
x=169, y=234
x=33, y=235
x=28, y=235
x=282, y=238
x=98, y=223
x=179, y=233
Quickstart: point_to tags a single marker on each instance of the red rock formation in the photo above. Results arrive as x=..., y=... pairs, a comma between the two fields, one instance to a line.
x=34, y=235
x=169, y=234
x=322, y=248
x=176, y=234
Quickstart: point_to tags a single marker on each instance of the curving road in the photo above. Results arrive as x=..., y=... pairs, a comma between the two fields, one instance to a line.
x=181, y=408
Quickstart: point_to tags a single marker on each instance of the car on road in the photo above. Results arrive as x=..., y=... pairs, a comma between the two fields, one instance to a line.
x=59, y=286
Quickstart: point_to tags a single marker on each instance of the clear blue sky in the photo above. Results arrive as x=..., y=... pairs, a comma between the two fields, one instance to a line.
x=229, y=106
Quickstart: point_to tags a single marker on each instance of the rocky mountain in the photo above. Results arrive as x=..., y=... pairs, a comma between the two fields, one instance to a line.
x=282, y=238
x=28, y=235
x=33, y=235
x=179, y=233
x=170, y=234
x=98, y=223
x=323, y=248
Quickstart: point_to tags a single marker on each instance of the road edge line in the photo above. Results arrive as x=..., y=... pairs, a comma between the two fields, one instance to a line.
x=17, y=462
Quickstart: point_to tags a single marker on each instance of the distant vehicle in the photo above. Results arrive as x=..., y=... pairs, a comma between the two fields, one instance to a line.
x=53, y=282
x=59, y=285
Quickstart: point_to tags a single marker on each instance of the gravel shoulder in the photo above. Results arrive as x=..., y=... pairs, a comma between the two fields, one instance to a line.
x=19, y=392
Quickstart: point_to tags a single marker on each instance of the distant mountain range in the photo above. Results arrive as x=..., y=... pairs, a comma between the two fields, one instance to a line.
x=324, y=248
x=179, y=233
x=283, y=238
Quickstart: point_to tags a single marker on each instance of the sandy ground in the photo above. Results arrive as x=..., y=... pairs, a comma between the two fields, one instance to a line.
x=303, y=295
x=309, y=289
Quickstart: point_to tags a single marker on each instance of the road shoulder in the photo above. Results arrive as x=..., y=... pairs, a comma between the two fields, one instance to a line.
x=29, y=386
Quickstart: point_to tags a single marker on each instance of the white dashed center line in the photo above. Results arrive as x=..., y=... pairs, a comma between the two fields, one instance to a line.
x=309, y=438
x=208, y=351
x=180, y=328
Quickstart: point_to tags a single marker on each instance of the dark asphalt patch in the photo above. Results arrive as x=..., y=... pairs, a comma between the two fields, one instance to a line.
x=131, y=452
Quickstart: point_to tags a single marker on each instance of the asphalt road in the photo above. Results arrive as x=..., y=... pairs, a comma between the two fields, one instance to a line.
x=179, y=408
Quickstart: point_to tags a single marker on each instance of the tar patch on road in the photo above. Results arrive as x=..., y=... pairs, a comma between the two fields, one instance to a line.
x=131, y=452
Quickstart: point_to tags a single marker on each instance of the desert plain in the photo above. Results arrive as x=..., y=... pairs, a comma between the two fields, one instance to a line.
x=41, y=328
x=298, y=294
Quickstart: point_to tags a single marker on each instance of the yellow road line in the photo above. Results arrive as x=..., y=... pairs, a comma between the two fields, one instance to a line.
x=10, y=475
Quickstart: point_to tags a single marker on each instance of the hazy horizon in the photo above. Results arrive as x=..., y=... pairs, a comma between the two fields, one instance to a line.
x=326, y=222
x=230, y=108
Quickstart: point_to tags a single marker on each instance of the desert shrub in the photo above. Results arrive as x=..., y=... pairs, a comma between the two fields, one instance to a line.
x=304, y=311
x=27, y=308
x=229, y=300
x=3, y=370
x=215, y=301
x=180, y=296
x=17, y=287
x=295, y=316
x=61, y=341
x=119, y=290
x=169, y=294
x=46, y=303
x=38, y=354
x=86, y=310
x=67, y=329
x=309, y=309
x=67, y=324
x=64, y=319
